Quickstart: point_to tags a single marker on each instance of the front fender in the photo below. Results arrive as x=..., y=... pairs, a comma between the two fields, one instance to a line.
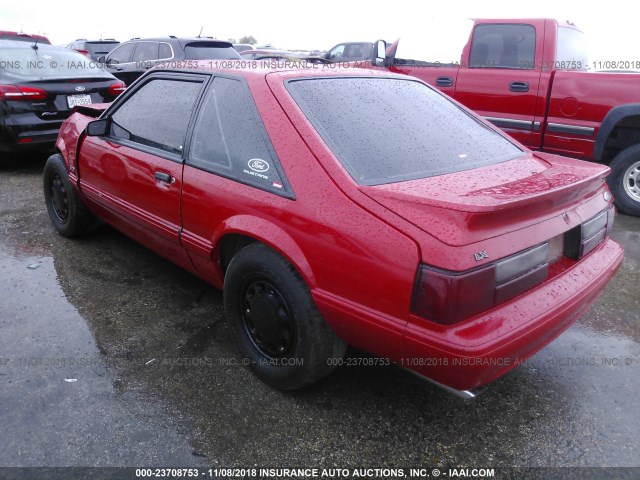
x=71, y=132
x=68, y=139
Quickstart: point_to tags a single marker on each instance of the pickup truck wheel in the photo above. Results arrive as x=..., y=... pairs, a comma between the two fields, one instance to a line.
x=66, y=210
x=624, y=180
x=281, y=332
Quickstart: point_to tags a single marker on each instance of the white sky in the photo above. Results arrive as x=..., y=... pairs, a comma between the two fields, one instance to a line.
x=429, y=30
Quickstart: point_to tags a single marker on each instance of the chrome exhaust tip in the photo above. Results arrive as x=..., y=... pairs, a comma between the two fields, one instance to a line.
x=465, y=394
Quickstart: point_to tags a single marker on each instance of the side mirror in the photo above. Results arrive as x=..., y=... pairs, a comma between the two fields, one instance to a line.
x=379, y=54
x=98, y=128
x=101, y=59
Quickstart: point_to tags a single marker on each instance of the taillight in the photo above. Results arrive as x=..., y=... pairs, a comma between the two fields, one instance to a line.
x=19, y=92
x=585, y=237
x=116, y=89
x=446, y=297
x=83, y=52
x=449, y=297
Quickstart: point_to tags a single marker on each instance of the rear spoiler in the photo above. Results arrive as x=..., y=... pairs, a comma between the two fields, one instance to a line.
x=93, y=111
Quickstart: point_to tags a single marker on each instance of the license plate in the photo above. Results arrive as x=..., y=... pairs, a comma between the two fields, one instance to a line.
x=74, y=100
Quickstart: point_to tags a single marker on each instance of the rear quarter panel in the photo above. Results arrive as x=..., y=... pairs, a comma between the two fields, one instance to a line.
x=357, y=266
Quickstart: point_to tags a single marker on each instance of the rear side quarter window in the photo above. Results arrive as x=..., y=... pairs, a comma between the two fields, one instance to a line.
x=230, y=140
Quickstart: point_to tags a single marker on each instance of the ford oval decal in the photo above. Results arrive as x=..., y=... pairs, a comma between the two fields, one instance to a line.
x=258, y=165
x=80, y=88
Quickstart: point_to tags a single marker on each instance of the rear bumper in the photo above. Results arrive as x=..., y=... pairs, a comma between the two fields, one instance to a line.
x=16, y=137
x=475, y=352
x=36, y=144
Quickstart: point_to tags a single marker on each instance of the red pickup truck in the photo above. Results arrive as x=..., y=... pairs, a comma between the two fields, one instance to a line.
x=529, y=77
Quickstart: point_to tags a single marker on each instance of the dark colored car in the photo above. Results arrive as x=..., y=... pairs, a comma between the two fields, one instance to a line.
x=39, y=87
x=344, y=206
x=131, y=59
x=23, y=37
x=94, y=49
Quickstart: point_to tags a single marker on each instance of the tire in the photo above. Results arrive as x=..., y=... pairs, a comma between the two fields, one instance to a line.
x=280, y=330
x=67, y=212
x=624, y=180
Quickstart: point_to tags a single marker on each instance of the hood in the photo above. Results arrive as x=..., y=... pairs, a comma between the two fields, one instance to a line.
x=469, y=206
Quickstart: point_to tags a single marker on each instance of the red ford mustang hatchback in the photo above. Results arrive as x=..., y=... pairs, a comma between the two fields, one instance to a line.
x=344, y=206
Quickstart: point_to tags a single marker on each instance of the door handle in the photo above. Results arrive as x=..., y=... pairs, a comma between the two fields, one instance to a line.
x=164, y=177
x=119, y=68
x=444, y=82
x=519, y=87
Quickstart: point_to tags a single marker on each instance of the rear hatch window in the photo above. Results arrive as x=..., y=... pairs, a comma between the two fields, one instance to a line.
x=209, y=50
x=387, y=130
x=101, y=48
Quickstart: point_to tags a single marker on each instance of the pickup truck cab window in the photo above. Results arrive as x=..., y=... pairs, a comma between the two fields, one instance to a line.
x=157, y=114
x=385, y=130
x=503, y=46
x=229, y=138
x=336, y=52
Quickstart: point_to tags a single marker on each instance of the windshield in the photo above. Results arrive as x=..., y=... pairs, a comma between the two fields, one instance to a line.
x=386, y=130
x=47, y=63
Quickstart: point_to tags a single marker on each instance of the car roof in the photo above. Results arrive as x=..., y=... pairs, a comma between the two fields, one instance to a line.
x=354, y=43
x=171, y=38
x=104, y=40
x=287, y=69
